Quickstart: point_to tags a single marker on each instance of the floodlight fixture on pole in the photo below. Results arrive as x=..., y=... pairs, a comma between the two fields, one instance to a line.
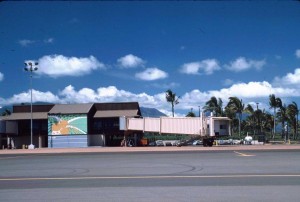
x=31, y=66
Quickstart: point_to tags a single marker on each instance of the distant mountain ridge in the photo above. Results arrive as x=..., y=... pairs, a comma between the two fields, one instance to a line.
x=151, y=112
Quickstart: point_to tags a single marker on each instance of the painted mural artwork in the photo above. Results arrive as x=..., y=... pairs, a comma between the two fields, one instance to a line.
x=67, y=124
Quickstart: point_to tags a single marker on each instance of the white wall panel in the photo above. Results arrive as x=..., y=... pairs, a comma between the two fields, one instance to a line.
x=180, y=125
x=135, y=124
x=152, y=124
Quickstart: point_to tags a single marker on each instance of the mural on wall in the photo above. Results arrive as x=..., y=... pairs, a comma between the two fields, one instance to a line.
x=67, y=124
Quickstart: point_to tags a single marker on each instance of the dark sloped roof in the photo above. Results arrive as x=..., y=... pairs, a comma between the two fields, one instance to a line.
x=121, y=106
x=117, y=106
x=26, y=116
x=22, y=112
x=35, y=108
x=71, y=108
x=116, y=113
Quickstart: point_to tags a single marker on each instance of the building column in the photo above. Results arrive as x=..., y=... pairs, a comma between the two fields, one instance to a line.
x=40, y=141
x=212, y=127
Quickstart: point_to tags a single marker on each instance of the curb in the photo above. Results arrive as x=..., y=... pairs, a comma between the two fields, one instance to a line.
x=150, y=149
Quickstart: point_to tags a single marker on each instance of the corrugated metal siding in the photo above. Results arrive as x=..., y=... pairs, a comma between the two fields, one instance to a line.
x=135, y=124
x=166, y=125
x=181, y=125
x=67, y=141
x=152, y=124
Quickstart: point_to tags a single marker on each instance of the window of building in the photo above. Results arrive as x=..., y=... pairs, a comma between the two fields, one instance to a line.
x=223, y=127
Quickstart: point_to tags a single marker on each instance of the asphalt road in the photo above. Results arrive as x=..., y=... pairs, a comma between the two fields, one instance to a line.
x=152, y=176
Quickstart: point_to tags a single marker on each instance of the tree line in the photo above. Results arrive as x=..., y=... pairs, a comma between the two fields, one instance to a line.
x=247, y=119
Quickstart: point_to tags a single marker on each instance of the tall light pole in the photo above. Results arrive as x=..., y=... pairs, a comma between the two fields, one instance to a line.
x=199, y=111
x=30, y=67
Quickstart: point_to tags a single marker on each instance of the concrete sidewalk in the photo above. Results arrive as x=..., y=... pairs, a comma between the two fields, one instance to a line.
x=150, y=149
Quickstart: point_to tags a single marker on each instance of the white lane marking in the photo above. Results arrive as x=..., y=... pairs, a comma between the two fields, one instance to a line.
x=243, y=154
x=149, y=177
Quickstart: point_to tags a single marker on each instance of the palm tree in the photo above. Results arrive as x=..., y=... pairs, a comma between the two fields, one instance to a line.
x=267, y=121
x=250, y=120
x=274, y=103
x=231, y=114
x=259, y=116
x=292, y=115
x=282, y=117
x=6, y=112
x=249, y=109
x=191, y=114
x=297, y=116
x=172, y=98
x=237, y=106
x=214, y=105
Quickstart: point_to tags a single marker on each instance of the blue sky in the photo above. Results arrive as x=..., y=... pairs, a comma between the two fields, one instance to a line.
x=135, y=51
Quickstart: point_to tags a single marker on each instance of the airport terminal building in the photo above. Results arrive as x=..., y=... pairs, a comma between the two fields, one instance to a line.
x=67, y=125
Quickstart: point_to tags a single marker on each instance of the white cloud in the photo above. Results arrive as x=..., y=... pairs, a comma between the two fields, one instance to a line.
x=1, y=76
x=108, y=94
x=207, y=66
x=250, y=92
x=49, y=40
x=151, y=74
x=165, y=85
x=242, y=64
x=228, y=82
x=59, y=65
x=37, y=96
x=85, y=95
x=254, y=90
x=291, y=79
x=298, y=53
x=130, y=61
x=25, y=42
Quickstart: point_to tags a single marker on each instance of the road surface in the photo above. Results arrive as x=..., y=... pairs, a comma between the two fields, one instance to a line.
x=256, y=175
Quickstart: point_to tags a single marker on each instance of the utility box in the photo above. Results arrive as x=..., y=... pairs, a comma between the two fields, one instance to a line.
x=144, y=142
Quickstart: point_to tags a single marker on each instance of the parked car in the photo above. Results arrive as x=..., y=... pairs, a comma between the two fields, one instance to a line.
x=197, y=142
x=176, y=143
x=168, y=144
x=152, y=144
x=159, y=143
x=237, y=141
